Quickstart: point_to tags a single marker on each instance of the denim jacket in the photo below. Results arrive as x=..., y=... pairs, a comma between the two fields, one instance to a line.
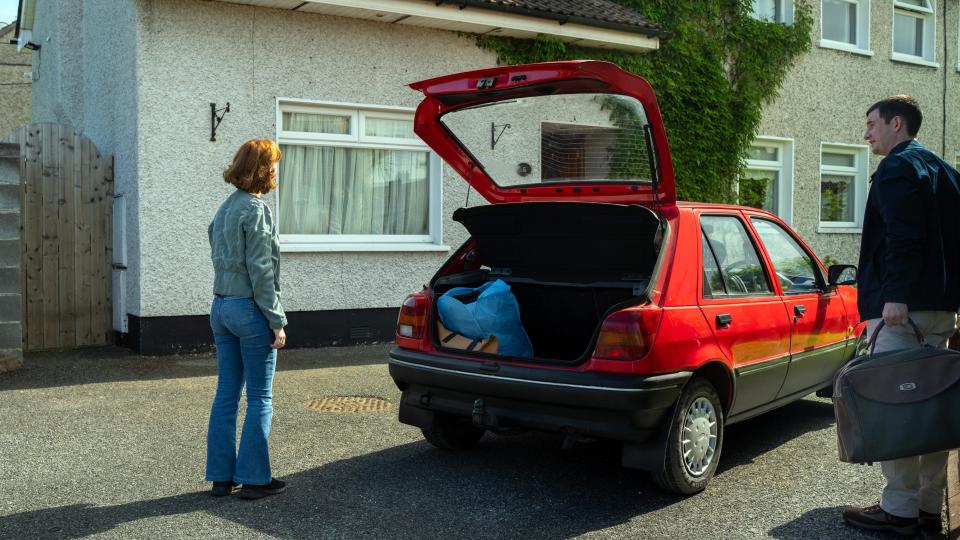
x=245, y=248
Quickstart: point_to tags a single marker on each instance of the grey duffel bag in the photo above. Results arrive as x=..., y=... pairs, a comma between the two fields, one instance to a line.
x=896, y=404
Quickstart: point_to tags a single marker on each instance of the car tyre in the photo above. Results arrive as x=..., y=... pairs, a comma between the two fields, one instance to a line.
x=453, y=433
x=694, y=441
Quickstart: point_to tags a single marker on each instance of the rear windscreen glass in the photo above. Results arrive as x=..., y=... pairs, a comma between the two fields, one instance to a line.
x=557, y=138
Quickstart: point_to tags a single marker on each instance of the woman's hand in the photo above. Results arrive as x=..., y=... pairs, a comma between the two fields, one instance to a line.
x=280, y=338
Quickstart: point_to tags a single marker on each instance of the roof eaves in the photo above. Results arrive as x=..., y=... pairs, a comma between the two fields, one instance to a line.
x=651, y=30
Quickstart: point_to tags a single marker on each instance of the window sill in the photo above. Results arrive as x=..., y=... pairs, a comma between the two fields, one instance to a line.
x=335, y=247
x=907, y=59
x=845, y=47
x=826, y=229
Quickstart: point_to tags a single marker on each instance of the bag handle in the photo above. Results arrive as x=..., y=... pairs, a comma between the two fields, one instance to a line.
x=916, y=331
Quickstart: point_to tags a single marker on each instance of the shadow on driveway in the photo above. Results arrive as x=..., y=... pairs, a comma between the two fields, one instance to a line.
x=512, y=485
x=50, y=369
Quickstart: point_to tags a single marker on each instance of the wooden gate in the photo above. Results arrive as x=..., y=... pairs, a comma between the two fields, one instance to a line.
x=66, y=203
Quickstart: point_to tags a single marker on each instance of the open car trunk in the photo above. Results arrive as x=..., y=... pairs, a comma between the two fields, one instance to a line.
x=567, y=263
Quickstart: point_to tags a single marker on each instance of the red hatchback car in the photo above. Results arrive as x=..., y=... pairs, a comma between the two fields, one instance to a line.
x=653, y=322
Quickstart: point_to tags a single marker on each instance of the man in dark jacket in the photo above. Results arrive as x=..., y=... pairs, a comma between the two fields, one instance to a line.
x=909, y=267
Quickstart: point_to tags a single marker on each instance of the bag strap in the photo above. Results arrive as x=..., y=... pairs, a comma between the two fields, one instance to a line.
x=916, y=332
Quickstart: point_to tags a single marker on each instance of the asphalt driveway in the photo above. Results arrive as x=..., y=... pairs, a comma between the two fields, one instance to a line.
x=107, y=444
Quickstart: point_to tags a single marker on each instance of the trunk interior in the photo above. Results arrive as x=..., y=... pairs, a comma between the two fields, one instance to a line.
x=567, y=264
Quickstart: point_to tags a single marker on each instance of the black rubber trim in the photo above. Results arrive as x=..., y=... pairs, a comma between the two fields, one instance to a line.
x=599, y=381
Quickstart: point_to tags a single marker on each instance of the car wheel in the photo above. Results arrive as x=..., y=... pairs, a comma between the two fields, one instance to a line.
x=694, y=442
x=453, y=433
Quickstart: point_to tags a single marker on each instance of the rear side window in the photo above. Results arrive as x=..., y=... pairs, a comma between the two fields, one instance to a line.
x=795, y=269
x=731, y=265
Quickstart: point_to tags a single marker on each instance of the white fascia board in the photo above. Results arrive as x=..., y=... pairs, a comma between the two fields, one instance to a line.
x=508, y=22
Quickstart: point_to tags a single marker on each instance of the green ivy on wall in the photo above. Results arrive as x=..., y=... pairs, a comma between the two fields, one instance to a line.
x=712, y=76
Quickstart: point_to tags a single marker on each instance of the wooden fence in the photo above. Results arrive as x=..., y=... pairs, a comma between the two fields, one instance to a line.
x=66, y=203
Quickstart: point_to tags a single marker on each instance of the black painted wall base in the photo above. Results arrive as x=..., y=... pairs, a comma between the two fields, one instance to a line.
x=157, y=336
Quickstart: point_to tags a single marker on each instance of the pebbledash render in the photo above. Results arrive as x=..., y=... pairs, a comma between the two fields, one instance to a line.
x=138, y=78
x=811, y=135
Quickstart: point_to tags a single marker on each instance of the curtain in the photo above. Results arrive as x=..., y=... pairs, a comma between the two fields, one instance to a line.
x=316, y=123
x=330, y=190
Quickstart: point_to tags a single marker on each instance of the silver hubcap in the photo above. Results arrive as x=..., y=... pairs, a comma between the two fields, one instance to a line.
x=699, y=438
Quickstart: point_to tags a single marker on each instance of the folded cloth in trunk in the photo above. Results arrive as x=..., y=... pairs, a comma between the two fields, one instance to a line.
x=484, y=311
x=453, y=340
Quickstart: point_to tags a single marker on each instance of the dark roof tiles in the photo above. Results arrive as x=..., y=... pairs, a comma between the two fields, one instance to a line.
x=604, y=13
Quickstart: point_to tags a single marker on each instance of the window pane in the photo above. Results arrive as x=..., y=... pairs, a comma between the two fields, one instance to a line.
x=840, y=21
x=758, y=189
x=560, y=137
x=317, y=123
x=839, y=160
x=795, y=269
x=907, y=34
x=918, y=3
x=329, y=190
x=764, y=153
x=739, y=263
x=836, y=198
x=712, y=280
x=767, y=10
x=388, y=127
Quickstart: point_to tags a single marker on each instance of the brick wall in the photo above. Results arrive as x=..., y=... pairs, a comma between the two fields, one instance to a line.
x=11, y=355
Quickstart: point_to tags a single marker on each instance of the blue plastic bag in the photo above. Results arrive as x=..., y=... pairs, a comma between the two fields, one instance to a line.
x=494, y=312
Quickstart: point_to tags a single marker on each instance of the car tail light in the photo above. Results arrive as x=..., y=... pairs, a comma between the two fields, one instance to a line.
x=413, y=315
x=628, y=334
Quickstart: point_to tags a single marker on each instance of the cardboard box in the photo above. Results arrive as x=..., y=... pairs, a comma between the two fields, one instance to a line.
x=452, y=340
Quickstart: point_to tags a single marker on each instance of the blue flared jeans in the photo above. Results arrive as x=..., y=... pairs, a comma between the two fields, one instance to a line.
x=243, y=338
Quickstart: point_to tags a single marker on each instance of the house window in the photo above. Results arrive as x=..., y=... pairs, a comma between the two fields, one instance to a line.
x=845, y=24
x=843, y=186
x=778, y=11
x=355, y=179
x=767, y=181
x=914, y=31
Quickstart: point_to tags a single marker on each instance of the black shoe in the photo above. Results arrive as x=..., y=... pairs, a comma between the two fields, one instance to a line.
x=222, y=489
x=930, y=523
x=259, y=491
x=874, y=518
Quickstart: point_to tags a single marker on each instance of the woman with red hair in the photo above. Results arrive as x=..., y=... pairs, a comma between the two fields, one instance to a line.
x=247, y=321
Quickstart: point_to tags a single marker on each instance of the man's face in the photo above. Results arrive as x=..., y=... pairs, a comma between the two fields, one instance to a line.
x=882, y=135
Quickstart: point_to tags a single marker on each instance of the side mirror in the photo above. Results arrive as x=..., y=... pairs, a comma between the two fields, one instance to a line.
x=842, y=274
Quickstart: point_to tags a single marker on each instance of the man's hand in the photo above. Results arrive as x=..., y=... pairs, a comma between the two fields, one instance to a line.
x=894, y=314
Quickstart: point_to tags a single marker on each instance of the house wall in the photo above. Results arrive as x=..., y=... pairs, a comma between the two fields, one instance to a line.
x=824, y=99
x=15, y=94
x=252, y=57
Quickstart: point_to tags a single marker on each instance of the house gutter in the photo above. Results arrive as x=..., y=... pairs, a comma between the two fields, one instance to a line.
x=562, y=19
x=16, y=32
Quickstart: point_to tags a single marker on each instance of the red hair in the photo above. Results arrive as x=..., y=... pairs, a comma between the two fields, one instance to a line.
x=253, y=169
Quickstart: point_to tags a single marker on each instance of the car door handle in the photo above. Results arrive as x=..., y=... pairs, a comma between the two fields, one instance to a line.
x=799, y=310
x=724, y=320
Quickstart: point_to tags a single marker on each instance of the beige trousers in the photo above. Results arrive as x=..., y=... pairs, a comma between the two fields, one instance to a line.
x=914, y=483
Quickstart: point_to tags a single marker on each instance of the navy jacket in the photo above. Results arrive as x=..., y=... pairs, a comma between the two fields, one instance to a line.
x=910, y=248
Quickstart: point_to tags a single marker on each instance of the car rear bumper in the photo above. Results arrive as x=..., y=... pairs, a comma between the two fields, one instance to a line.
x=623, y=407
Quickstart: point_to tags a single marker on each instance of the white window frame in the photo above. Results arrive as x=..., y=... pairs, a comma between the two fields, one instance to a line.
x=786, y=8
x=861, y=153
x=784, y=166
x=862, y=46
x=929, y=16
x=358, y=112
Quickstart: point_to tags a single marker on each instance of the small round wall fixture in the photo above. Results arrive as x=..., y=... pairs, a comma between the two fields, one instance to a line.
x=524, y=169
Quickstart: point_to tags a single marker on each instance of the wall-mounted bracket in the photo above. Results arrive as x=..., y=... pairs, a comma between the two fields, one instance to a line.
x=215, y=118
x=494, y=136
